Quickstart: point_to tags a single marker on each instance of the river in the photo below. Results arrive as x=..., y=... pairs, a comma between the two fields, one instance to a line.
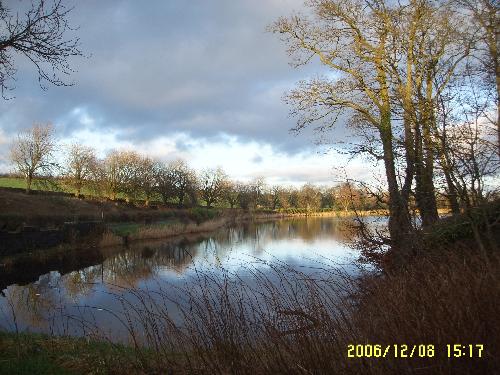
x=93, y=297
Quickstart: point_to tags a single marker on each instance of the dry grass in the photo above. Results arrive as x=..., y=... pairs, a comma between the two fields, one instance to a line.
x=289, y=322
x=159, y=231
x=110, y=239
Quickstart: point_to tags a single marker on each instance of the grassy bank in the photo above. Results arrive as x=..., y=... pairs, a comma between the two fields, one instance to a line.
x=29, y=354
x=204, y=221
x=45, y=208
x=287, y=322
x=119, y=234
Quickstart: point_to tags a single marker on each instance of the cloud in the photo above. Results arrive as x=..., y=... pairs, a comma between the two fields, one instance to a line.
x=172, y=78
x=257, y=159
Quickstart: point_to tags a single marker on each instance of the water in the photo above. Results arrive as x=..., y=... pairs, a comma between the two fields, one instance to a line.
x=92, y=296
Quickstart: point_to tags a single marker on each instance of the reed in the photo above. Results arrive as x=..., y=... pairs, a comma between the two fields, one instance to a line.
x=163, y=231
x=286, y=321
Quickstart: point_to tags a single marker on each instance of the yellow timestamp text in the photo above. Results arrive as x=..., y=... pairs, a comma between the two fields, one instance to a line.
x=413, y=351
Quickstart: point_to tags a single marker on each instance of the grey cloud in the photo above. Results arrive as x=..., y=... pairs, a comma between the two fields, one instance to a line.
x=202, y=68
x=257, y=159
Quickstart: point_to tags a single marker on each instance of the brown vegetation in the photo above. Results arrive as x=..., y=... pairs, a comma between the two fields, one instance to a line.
x=293, y=323
x=290, y=322
x=50, y=208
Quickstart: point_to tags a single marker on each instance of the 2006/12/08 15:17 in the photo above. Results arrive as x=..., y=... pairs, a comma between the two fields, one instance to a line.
x=413, y=351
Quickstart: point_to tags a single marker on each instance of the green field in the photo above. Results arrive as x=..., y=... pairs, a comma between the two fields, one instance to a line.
x=12, y=182
x=18, y=182
x=44, y=185
x=126, y=229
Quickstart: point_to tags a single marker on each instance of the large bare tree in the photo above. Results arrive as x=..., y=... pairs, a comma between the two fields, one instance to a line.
x=32, y=153
x=485, y=16
x=390, y=62
x=431, y=44
x=353, y=39
x=41, y=36
x=212, y=184
x=310, y=197
x=81, y=163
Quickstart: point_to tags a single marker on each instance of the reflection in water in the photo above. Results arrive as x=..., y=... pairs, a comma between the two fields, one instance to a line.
x=57, y=303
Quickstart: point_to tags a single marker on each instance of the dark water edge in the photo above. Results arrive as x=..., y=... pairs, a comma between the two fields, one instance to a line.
x=33, y=238
x=26, y=268
x=40, y=292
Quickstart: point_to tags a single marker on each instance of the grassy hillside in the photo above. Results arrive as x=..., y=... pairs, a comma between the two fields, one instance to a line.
x=53, y=208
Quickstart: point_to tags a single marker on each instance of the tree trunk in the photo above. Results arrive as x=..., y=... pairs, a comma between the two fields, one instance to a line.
x=181, y=197
x=399, y=218
x=497, y=69
x=424, y=188
x=452, y=192
x=29, y=180
x=164, y=198
x=425, y=193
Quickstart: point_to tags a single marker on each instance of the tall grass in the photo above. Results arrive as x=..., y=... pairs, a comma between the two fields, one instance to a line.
x=135, y=232
x=286, y=321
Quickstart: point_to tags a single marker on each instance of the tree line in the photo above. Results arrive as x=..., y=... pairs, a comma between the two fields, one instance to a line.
x=141, y=179
x=419, y=84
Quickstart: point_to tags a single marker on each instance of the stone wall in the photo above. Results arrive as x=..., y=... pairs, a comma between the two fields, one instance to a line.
x=33, y=238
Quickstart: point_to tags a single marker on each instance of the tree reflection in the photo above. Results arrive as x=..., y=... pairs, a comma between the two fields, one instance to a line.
x=31, y=306
x=37, y=304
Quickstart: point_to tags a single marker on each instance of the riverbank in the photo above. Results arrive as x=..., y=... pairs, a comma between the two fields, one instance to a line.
x=40, y=220
x=119, y=234
x=412, y=314
x=49, y=209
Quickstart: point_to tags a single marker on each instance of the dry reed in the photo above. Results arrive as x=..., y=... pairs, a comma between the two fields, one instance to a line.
x=284, y=321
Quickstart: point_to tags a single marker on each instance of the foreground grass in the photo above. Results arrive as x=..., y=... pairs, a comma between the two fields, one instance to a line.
x=28, y=354
x=298, y=325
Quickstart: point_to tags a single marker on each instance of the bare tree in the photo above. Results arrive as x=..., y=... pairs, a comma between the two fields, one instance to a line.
x=185, y=182
x=81, y=163
x=212, y=184
x=485, y=15
x=467, y=143
x=148, y=172
x=284, y=197
x=132, y=173
x=276, y=195
x=433, y=44
x=343, y=194
x=113, y=174
x=165, y=183
x=231, y=193
x=40, y=36
x=32, y=153
x=391, y=61
x=244, y=195
x=177, y=180
x=353, y=39
x=310, y=197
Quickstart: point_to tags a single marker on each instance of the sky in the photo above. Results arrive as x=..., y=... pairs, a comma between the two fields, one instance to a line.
x=198, y=80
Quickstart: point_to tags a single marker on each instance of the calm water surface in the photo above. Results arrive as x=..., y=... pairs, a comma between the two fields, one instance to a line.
x=60, y=302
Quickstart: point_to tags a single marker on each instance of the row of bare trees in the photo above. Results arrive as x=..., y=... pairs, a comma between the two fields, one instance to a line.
x=135, y=177
x=418, y=81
